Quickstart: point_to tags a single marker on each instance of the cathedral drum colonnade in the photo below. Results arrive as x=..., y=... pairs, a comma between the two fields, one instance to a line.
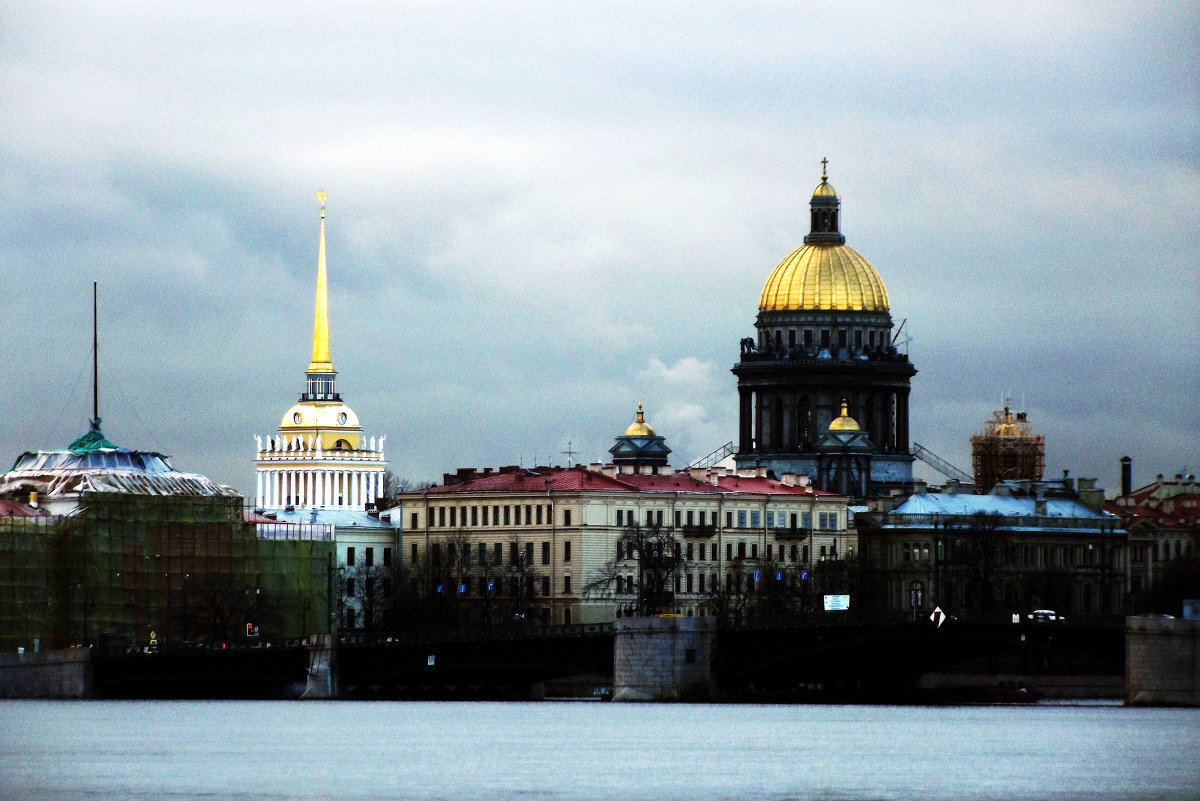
x=822, y=389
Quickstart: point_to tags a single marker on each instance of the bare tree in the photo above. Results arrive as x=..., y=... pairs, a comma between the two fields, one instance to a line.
x=652, y=557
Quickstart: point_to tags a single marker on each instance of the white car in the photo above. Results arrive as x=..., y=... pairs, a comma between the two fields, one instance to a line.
x=1044, y=615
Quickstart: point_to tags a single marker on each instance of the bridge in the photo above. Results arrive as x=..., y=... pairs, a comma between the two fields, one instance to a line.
x=860, y=654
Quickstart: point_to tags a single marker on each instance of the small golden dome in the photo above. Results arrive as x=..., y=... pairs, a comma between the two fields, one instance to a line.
x=639, y=427
x=844, y=422
x=824, y=276
x=824, y=189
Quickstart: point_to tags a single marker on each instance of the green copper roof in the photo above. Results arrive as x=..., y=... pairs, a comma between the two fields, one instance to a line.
x=91, y=442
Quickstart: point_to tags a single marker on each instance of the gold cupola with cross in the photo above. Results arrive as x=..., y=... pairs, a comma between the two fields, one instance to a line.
x=320, y=457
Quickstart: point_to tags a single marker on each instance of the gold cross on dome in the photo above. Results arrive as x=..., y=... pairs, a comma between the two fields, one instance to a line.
x=824, y=162
x=321, y=196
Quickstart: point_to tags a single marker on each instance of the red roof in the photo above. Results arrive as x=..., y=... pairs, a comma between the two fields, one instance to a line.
x=580, y=479
x=19, y=509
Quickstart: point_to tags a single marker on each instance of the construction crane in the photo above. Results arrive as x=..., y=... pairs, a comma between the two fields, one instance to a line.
x=714, y=457
x=941, y=465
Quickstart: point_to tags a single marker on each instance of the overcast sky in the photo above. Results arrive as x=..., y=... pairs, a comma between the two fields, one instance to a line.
x=539, y=212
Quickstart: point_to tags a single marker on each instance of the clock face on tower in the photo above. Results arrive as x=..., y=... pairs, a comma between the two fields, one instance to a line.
x=297, y=417
x=341, y=418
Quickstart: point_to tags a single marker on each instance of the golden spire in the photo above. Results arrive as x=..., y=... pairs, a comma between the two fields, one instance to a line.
x=320, y=346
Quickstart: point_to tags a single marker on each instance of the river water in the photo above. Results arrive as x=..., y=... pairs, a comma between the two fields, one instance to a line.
x=101, y=750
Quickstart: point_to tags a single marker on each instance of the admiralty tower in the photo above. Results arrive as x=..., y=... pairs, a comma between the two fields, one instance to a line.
x=822, y=389
x=320, y=460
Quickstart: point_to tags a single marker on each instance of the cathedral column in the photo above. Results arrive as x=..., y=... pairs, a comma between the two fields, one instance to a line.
x=902, y=421
x=258, y=494
x=744, y=417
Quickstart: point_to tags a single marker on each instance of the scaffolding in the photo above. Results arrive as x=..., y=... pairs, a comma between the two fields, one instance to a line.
x=1007, y=450
x=148, y=571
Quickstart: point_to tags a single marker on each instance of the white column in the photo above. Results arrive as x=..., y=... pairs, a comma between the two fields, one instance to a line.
x=258, y=495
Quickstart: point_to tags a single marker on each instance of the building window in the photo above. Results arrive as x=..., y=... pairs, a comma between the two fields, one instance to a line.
x=678, y=518
x=729, y=551
x=650, y=519
x=805, y=520
x=539, y=514
x=689, y=517
x=907, y=553
x=474, y=515
x=414, y=519
x=689, y=582
x=770, y=554
x=387, y=557
x=567, y=551
x=350, y=557
x=370, y=557
x=754, y=519
x=808, y=338
x=567, y=585
x=741, y=550
x=729, y=520
x=453, y=516
x=545, y=585
x=514, y=552
x=497, y=554
x=567, y=616
x=620, y=517
x=741, y=518
x=349, y=618
x=483, y=553
x=442, y=516
x=545, y=553
x=484, y=516
x=413, y=557
x=659, y=516
x=528, y=514
x=701, y=549
x=495, y=515
x=690, y=551
x=350, y=587
x=507, y=515
x=566, y=517
x=529, y=553
x=435, y=553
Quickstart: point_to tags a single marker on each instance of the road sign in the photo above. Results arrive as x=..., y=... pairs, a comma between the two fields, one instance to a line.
x=837, y=603
x=251, y=629
x=937, y=616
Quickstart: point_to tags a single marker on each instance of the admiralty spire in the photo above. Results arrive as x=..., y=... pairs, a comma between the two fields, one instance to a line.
x=320, y=458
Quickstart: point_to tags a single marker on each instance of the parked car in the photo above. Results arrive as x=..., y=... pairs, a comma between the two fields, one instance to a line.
x=1044, y=616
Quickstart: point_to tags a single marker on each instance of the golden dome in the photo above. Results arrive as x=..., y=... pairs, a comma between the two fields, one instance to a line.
x=844, y=422
x=639, y=427
x=824, y=276
x=824, y=189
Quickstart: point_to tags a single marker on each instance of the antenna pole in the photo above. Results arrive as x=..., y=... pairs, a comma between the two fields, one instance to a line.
x=95, y=361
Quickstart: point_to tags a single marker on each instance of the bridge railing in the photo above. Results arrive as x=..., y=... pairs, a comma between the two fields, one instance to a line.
x=920, y=618
x=417, y=636
x=220, y=646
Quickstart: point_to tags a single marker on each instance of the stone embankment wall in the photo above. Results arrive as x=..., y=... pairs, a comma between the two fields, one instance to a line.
x=1162, y=662
x=47, y=674
x=663, y=658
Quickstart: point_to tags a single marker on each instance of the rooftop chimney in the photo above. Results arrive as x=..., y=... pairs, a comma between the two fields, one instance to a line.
x=1126, y=475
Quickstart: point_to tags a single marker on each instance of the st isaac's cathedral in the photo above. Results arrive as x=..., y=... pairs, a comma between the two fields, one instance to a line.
x=822, y=389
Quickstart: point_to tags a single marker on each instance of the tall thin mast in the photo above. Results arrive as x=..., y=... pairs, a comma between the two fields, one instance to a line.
x=95, y=362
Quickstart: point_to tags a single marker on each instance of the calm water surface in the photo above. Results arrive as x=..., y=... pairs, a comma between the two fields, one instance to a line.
x=100, y=750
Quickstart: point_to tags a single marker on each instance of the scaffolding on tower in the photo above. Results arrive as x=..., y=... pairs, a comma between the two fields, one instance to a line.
x=1007, y=450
